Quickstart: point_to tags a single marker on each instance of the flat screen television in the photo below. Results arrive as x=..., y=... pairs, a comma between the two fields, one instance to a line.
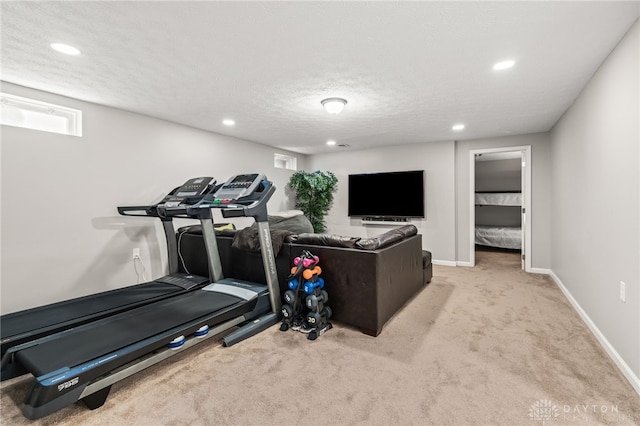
x=387, y=195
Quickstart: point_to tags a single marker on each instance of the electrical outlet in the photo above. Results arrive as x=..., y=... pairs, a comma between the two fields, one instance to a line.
x=623, y=295
x=136, y=253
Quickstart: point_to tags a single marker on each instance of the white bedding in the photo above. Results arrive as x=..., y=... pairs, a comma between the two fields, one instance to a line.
x=499, y=236
x=498, y=198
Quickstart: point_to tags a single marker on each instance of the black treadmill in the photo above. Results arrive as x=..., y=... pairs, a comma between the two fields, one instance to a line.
x=83, y=362
x=31, y=324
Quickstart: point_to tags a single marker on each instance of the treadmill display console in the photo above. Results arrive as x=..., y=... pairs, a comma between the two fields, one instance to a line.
x=191, y=188
x=237, y=187
x=195, y=186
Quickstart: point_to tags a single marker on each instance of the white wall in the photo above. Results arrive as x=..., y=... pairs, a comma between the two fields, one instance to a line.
x=61, y=234
x=437, y=159
x=596, y=201
x=540, y=193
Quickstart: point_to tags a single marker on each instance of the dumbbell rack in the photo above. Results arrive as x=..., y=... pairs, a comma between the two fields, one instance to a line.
x=305, y=308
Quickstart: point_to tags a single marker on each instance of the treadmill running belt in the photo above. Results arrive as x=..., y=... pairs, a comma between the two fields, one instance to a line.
x=31, y=319
x=101, y=337
x=31, y=324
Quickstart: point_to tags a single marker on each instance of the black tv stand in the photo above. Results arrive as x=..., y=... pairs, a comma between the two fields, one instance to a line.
x=389, y=221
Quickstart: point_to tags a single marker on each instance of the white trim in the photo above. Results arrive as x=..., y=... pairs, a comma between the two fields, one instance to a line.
x=443, y=262
x=467, y=264
x=613, y=354
x=540, y=271
x=36, y=115
x=526, y=193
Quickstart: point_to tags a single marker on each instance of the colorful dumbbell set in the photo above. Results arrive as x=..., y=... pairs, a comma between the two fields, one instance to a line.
x=305, y=302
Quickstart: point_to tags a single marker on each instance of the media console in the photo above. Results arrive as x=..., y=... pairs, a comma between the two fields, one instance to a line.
x=388, y=221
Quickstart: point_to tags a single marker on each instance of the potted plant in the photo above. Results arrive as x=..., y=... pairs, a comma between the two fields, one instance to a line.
x=314, y=195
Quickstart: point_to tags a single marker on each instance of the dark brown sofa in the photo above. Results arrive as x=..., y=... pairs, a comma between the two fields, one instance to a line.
x=368, y=280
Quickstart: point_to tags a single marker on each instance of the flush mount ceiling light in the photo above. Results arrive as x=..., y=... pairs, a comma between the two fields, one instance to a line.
x=504, y=65
x=331, y=143
x=228, y=122
x=333, y=105
x=65, y=48
x=457, y=127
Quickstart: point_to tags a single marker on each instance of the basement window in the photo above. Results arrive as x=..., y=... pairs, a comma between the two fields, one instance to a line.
x=281, y=161
x=31, y=114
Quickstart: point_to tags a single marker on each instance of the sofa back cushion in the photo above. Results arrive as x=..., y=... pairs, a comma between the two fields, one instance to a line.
x=327, y=240
x=387, y=238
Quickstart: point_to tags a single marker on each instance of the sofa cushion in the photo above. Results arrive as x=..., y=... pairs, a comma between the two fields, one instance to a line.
x=426, y=258
x=296, y=224
x=248, y=239
x=387, y=238
x=327, y=240
x=281, y=227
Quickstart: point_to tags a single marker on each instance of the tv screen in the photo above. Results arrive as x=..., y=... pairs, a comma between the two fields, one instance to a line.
x=387, y=195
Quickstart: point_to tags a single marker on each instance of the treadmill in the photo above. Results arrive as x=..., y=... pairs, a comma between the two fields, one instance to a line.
x=31, y=324
x=82, y=363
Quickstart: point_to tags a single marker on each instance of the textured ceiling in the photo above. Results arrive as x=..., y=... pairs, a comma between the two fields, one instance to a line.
x=409, y=70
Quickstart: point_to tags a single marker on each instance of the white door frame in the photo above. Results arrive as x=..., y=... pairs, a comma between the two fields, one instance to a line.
x=526, y=199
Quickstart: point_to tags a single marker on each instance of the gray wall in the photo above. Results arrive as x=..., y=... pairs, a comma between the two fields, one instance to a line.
x=437, y=159
x=498, y=175
x=595, y=197
x=540, y=218
x=61, y=234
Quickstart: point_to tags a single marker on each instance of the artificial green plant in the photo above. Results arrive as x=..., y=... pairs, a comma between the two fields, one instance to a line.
x=314, y=195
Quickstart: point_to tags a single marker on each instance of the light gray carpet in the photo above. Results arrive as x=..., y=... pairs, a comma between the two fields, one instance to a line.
x=478, y=346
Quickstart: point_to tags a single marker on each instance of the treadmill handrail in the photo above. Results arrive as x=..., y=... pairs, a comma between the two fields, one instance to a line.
x=149, y=210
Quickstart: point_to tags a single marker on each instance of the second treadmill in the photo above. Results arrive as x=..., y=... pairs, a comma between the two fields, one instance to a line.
x=83, y=363
x=29, y=325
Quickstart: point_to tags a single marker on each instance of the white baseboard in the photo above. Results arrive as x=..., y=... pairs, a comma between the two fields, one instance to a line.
x=613, y=354
x=443, y=262
x=468, y=264
x=540, y=271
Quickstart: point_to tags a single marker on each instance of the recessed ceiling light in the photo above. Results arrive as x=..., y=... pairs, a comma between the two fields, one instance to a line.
x=65, y=48
x=458, y=127
x=331, y=143
x=504, y=65
x=228, y=122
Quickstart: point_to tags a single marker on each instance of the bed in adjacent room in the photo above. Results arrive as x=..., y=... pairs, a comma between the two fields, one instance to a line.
x=507, y=237
x=501, y=209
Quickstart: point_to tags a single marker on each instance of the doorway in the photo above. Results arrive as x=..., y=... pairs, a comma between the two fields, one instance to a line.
x=500, y=201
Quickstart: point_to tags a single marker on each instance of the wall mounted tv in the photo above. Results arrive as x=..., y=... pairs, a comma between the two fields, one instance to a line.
x=387, y=195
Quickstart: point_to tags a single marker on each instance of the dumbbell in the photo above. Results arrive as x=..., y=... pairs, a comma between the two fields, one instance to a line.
x=287, y=311
x=315, y=300
x=309, y=274
x=290, y=297
x=319, y=319
x=309, y=286
x=293, y=284
x=306, y=261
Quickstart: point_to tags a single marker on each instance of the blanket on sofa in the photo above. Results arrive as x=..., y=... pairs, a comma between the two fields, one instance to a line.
x=280, y=227
x=247, y=239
